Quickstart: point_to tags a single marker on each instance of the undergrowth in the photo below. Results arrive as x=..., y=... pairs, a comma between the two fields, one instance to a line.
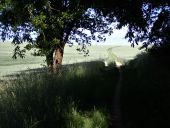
x=145, y=91
x=80, y=96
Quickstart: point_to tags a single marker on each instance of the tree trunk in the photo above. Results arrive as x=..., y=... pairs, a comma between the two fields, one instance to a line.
x=58, y=57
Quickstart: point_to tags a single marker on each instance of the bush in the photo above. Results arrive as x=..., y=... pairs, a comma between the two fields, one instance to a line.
x=146, y=92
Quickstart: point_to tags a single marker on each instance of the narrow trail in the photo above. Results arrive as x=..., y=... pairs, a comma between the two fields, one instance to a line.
x=117, y=119
x=116, y=113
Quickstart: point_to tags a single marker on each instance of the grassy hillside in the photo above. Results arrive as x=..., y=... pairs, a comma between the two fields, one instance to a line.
x=100, y=52
x=9, y=65
x=79, y=97
x=82, y=94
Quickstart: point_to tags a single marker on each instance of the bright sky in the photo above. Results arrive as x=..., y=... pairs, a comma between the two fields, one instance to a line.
x=117, y=38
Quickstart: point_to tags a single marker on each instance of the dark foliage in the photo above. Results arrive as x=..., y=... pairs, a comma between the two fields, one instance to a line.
x=145, y=91
x=58, y=22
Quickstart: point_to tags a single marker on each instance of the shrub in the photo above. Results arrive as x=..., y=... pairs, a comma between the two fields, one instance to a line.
x=146, y=92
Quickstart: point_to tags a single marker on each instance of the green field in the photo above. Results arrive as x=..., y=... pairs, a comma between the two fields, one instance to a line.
x=86, y=95
x=71, y=55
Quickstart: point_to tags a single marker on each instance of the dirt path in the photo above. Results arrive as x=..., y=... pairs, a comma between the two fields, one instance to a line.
x=117, y=121
x=116, y=113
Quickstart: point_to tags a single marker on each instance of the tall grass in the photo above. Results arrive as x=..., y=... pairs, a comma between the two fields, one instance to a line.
x=81, y=95
x=64, y=100
x=146, y=91
x=92, y=119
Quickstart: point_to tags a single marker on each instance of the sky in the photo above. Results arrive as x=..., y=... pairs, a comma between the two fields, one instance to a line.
x=117, y=38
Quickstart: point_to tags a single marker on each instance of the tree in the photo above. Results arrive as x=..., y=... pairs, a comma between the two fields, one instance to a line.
x=56, y=22
x=148, y=21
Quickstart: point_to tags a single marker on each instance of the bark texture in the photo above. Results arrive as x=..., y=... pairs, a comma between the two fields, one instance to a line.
x=58, y=57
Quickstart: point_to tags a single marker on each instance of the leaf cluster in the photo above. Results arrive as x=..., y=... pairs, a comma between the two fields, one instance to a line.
x=57, y=22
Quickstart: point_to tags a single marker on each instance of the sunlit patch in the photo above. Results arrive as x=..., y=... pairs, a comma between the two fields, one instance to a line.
x=118, y=64
x=105, y=63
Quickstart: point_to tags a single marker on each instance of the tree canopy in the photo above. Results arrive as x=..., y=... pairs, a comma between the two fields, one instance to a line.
x=58, y=22
x=148, y=21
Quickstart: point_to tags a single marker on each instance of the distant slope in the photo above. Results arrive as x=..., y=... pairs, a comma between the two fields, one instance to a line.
x=125, y=52
x=97, y=52
x=9, y=65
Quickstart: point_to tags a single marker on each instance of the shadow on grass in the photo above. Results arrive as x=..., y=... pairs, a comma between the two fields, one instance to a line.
x=91, y=64
x=81, y=91
x=145, y=93
x=42, y=99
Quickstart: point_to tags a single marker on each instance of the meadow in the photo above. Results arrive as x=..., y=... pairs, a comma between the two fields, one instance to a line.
x=82, y=94
x=79, y=97
x=8, y=65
